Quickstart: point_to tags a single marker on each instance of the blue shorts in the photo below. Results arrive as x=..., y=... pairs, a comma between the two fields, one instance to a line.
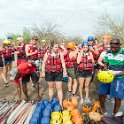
x=117, y=88
x=8, y=62
x=104, y=89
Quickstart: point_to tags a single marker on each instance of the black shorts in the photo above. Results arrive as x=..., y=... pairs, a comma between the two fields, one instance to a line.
x=1, y=63
x=54, y=76
x=85, y=74
x=8, y=61
x=34, y=77
x=13, y=57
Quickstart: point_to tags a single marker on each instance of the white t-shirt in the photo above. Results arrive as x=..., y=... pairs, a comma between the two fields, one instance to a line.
x=103, y=54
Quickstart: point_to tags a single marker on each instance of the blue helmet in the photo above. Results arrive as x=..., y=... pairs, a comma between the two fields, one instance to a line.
x=85, y=43
x=90, y=38
x=9, y=37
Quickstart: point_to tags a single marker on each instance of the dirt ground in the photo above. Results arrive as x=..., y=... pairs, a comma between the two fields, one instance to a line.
x=10, y=92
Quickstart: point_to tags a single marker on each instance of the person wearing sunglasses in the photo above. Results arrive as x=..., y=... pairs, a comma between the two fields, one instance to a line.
x=114, y=61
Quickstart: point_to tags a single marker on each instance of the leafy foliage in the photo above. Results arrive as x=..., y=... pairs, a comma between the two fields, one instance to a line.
x=47, y=31
x=105, y=24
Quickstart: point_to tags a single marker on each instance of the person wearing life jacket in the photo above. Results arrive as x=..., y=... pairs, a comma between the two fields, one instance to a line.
x=106, y=38
x=12, y=47
x=7, y=55
x=31, y=50
x=53, y=69
x=1, y=68
x=105, y=41
x=43, y=49
x=24, y=71
x=20, y=51
x=85, y=63
x=71, y=61
x=62, y=47
x=78, y=48
x=93, y=47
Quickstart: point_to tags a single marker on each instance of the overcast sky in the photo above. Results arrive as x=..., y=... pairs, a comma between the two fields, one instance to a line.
x=73, y=17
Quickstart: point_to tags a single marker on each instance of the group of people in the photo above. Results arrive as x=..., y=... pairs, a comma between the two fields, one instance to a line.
x=75, y=61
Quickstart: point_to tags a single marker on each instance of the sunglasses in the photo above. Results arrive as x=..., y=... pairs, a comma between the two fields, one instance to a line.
x=114, y=43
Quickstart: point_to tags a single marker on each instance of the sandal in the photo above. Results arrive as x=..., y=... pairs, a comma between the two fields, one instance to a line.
x=6, y=85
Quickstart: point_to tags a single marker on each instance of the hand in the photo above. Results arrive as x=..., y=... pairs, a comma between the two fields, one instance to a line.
x=115, y=75
x=105, y=69
x=43, y=74
x=95, y=47
x=92, y=49
x=89, y=57
x=36, y=51
x=81, y=51
x=64, y=73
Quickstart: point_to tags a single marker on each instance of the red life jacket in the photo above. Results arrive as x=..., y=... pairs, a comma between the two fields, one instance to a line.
x=13, y=48
x=85, y=64
x=7, y=52
x=21, y=50
x=43, y=50
x=70, y=62
x=33, y=48
x=100, y=49
x=53, y=63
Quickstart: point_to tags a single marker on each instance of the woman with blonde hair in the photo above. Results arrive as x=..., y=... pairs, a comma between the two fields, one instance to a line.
x=7, y=55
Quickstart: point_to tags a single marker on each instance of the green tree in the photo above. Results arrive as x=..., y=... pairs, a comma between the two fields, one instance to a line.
x=26, y=35
x=48, y=32
x=106, y=24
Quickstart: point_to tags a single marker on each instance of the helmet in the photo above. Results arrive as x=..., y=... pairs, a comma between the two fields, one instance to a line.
x=7, y=42
x=87, y=106
x=71, y=45
x=9, y=37
x=20, y=38
x=90, y=38
x=43, y=41
x=85, y=43
x=107, y=37
x=105, y=76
